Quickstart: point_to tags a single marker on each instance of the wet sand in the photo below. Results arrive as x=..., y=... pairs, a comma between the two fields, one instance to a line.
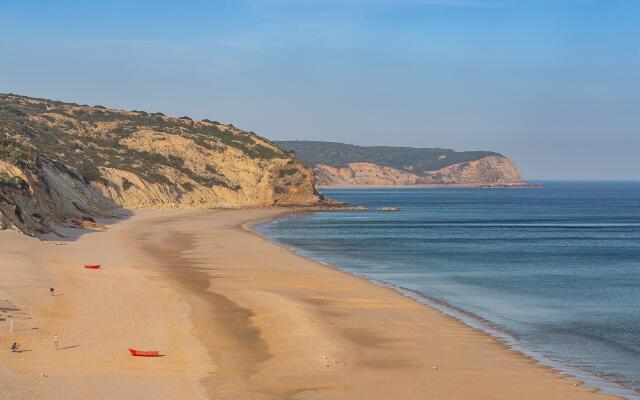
x=236, y=317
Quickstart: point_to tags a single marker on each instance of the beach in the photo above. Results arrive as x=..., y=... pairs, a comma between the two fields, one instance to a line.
x=235, y=317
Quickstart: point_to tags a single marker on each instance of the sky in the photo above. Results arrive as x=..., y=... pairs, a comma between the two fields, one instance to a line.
x=552, y=84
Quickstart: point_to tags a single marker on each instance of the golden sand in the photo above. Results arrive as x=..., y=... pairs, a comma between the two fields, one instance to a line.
x=236, y=317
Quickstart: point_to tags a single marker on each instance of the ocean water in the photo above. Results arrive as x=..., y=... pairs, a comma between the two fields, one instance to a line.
x=556, y=271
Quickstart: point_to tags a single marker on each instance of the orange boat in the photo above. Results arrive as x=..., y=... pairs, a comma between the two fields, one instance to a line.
x=92, y=266
x=138, y=353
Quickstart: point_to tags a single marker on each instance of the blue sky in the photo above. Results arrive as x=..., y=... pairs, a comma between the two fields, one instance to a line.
x=554, y=84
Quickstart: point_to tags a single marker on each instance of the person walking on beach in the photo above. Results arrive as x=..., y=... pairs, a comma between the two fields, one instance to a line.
x=52, y=291
x=10, y=323
x=55, y=341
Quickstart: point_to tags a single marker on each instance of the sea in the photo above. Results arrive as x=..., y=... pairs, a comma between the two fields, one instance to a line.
x=554, y=272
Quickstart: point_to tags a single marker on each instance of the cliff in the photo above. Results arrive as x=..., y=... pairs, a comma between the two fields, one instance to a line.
x=61, y=161
x=362, y=174
x=337, y=164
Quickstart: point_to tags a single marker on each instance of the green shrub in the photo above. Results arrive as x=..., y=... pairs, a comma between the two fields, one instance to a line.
x=14, y=182
x=126, y=184
x=287, y=172
x=155, y=177
x=89, y=172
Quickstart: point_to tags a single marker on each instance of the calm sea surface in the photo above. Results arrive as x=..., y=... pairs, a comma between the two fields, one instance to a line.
x=557, y=269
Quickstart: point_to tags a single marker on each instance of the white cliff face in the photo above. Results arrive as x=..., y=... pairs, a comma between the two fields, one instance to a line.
x=61, y=161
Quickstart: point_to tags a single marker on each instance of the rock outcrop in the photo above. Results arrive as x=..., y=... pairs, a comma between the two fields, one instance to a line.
x=487, y=171
x=60, y=161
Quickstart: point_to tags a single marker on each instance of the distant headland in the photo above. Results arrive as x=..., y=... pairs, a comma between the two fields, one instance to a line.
x=346, y=165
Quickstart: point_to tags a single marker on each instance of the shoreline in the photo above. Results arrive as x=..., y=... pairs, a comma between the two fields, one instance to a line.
x=588, y=379
x=511, y=342
x=237, y=316
x=436, y=186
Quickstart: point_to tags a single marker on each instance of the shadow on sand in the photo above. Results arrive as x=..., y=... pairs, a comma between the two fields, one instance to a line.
x=69, y=347
x=70, y=233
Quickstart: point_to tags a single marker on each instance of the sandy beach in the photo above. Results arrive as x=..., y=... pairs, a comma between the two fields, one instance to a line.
x=235, y=317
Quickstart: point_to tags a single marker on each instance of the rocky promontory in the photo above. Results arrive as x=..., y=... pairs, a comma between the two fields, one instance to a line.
x=338, y=164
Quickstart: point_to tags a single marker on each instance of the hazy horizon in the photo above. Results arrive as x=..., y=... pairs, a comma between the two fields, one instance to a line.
x=555, y=86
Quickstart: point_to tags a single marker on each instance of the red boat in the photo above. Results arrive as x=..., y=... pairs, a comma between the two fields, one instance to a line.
x=92, y=266
x=138, y=353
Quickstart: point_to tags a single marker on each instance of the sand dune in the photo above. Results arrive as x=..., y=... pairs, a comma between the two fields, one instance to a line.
x=236, y=317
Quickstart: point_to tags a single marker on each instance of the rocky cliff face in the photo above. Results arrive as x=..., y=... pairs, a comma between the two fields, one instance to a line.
x=362, y=174
x=489, y=171
x=340, y=164
x=60, y=161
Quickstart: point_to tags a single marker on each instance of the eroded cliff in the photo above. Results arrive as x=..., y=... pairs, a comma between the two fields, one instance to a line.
x=61, y=160
x=490, y=171
x=338, y=164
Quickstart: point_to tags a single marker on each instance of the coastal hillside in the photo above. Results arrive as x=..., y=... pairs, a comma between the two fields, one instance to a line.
x=62, y=161
x=339, y=164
